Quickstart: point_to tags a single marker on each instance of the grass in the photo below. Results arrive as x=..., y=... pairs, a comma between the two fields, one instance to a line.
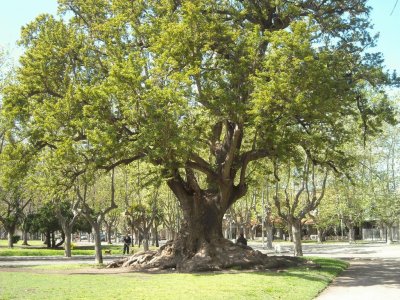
x=295, y=283
x=37, y=248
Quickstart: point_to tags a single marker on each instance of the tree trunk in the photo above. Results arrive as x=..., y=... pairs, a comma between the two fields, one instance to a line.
x=382, y=232
x=389, y=231
x=67, y=245
x=270, y=234
x=48, y=239
x=53, y=240
x=109, y=233
x=321, y=235
x=154, y=235
x=296, y=234
x=290, y=232
x=98, y=258
x=200, y=245
x=25, y=238
x=352, y=234
x=146, y=243
x=10, y=235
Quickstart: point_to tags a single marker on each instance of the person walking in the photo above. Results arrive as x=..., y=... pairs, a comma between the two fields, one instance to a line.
x=127, y=243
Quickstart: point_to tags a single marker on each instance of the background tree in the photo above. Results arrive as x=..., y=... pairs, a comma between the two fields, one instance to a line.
x=298, y=192
x=95, y=202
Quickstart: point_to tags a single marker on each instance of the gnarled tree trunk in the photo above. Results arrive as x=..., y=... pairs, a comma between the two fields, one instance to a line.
x=200, y=244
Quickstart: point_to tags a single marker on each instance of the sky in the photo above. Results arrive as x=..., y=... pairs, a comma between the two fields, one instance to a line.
x=16, y=13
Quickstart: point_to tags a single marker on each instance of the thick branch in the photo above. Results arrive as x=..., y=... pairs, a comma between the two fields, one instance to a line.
x=233, y=142
x=198, y=163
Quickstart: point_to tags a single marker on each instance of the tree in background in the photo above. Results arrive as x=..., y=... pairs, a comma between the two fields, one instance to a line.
x=96, y=200
x=297, y=193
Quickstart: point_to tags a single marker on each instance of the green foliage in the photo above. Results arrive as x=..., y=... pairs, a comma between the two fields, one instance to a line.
x=15, y=239
x=110, y=85
x=199, y=88
x=45, y=220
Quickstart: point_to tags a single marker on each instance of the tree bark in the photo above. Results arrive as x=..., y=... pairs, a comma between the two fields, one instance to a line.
x=67, y=245
x=109, y=234
x=296, y=235
x=321, y=235
x=25, y=238
x=270, y=234
x=389, y=231
x=48, y=239
x=10, y=235
x=352, y=234
x=98, y=257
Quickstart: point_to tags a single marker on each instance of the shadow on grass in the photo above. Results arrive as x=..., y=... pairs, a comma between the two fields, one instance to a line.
x=323, y=270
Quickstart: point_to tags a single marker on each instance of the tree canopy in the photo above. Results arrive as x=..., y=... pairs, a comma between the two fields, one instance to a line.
x=201, y=88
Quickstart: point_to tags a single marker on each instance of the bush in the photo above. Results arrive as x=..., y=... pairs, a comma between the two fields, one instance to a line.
x=15, y=239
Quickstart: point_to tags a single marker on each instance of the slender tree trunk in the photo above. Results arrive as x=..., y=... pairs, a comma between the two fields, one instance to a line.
x=25, y=238
x=146, y=241
x=389, y=234
x=153, y=235
x=10, y=234
x=156, y=235
x=296, y=234
x=382, y=232
x=290, y=232
x=321, y=235
x=109, y=233
x=270, y=234
x=48, y=239
x=352, y=234
x=97, y=243
x=53, y=240
x=67, y=245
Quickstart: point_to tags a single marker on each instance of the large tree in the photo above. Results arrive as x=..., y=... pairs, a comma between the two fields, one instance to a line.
x=201, y=88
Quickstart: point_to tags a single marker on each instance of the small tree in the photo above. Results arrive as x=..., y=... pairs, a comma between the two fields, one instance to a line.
x=302, y=193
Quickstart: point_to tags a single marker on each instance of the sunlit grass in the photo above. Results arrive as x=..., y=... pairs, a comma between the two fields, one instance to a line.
x=295, y=283
x=37, y=248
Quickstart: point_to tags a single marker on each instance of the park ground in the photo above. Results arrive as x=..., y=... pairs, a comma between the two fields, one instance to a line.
x=374, y=273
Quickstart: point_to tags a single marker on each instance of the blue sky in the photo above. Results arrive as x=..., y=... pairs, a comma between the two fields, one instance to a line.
x=16, y=13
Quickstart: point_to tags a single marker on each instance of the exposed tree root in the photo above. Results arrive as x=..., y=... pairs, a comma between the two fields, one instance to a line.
x=219, y=255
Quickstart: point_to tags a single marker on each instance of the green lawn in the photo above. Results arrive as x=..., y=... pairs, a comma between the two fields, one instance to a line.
x=37, y=248
x=295, y=283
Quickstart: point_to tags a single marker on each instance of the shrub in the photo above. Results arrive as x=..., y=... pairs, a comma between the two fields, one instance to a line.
x=15, y=239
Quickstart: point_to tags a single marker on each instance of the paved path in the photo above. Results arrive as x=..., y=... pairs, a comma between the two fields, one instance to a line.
x=367, y=280
x=374, y=271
